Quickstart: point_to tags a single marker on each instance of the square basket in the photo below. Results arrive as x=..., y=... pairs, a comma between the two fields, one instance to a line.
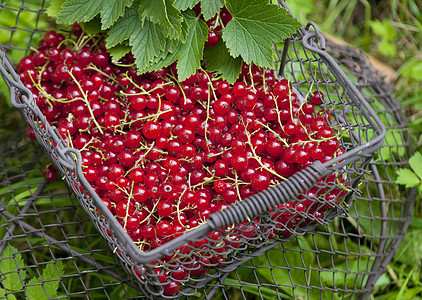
x=248, y=228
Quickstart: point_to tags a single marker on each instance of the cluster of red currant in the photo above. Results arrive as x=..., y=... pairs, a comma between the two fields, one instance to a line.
x=163, y=154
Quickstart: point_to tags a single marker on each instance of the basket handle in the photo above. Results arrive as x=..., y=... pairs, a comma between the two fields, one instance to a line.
x=247, y=209
x=268, y=199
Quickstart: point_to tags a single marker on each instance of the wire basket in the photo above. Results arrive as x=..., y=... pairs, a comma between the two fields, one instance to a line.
x=358, y=254
x=306, y=64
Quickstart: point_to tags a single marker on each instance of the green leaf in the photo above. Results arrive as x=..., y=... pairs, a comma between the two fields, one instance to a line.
x=185, y=4
x=190, y=53
x=255, y=25
x=147, y=43
x=155, y=11
x=384, y=29
x=166, y=58
x=54, y=7
x=112, y=10
x=177, y=21
x=217, y=58
x=9, y=296
x=119, y=51
x=93, y=26
x=10, y=264
x=412, y=70
x=407, y=177
x=51, y=276
x=78, y=11
x=415, y=163
x=45, y=288
x=34, y=290
x=387, y=48
x=124, y=28
x=209, y=8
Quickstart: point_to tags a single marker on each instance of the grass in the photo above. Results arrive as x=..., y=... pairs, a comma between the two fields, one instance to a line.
x=390, y=31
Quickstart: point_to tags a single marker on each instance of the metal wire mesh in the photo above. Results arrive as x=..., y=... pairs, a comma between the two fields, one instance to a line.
x=358, y=247
x=346, y=258
x=375, y=225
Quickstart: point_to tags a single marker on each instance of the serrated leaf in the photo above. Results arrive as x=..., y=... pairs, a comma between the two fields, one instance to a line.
x=185, y=30
x=11, y=265
x=147, y=43
x=9, y=296
x=34, y=290
x=54, y=7
x=255, y=25
x=78, y=11
x=166, y=58
x=51, y=276
x=190, y=53
x=218, y=58
x=185, y=4
x=407, y=177
x=118, y=51
x=155, y=11
x=124, y=28
x=93, y=26
x=176, y=20
x=112, y=10
x=209, y=8
x=415, y=163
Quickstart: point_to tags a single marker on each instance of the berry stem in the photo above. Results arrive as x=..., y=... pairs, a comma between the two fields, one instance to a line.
x=85, y=99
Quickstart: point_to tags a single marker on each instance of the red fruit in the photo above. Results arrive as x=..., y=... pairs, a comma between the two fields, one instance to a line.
x=317, y=98
x=172, y=288
x=282, y=89
x=151, y=129
x=30, y=133
x=213, y=37
x=50, y=173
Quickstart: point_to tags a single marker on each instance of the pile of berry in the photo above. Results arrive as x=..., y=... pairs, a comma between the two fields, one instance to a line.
x=163, y=154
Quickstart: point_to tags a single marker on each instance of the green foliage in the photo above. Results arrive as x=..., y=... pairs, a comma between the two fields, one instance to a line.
x=386, y=31
x=46, y=288
x=219, y=59
x=15, y=276
x=12, y=264
x=254, y=26
x=413, y=177
x=163, y=31
x=189, y=54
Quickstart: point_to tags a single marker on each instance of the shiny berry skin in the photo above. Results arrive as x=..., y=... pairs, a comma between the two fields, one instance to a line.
x=111, y=120
x=171, y=164
x=172, y=288
x=213, y=37
x=282, y=89
x=172, y=93
x=50, y=173
x=221, y=106
x=140, y=193
x=317, y=98
x=151, y=130
x=30, y=133
x=100, y=58
x=239, y=89
x=239, y=162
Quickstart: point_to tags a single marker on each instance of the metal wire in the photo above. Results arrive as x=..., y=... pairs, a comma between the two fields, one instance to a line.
x=375, y=224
